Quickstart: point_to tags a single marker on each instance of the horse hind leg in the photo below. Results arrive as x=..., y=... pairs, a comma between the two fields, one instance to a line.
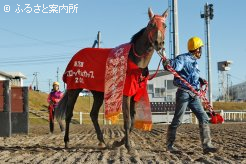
x=72, y=97
x=97, y=103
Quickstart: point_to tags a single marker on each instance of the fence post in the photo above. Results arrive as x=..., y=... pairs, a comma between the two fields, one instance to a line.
x=191, y=118
x=7, y=96
x=168, y=117
x=196, y=121
x=80, y=117
x=222, y=114
x=5, y=113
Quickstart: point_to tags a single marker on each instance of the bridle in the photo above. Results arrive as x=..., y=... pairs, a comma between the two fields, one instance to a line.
x=155, y=24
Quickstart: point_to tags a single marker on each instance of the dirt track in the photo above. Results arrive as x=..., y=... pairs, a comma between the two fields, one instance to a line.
x=40, y=147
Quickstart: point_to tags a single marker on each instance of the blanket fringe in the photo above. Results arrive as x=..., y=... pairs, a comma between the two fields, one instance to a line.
x=143, y=125
x=113, y=117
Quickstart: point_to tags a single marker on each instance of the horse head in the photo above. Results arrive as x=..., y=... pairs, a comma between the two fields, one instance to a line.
x=149, y=39
x=156, y=29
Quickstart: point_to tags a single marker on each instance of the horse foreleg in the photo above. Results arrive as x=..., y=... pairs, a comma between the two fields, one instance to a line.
x=97, y=103
x=127, y=119
x=72, y=97
x=132, y=116
x=132, y=113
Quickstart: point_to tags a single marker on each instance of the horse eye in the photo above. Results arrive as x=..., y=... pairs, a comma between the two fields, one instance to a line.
x=164, y=25
x=153, y=25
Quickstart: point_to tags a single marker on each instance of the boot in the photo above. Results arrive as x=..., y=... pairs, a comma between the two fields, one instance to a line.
x=51, y=127
x=171, y=135
x=206, y=139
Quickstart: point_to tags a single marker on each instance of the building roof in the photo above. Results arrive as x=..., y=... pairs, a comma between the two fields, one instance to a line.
x=6, y=75
x=243, y=84
x=17, y=74
x=12, y=75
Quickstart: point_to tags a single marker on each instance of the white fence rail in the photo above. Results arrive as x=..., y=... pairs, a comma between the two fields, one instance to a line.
x=233, y=115
x=84, y=117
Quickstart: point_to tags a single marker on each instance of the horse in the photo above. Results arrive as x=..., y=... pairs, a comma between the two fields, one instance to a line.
x=144, y=43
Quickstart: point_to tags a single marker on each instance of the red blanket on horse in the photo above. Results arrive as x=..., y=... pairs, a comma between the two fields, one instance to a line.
x=90, y=67
x=87, y=70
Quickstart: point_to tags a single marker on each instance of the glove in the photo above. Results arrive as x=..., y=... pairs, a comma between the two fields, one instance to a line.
x=202, y=81
x=165, y=63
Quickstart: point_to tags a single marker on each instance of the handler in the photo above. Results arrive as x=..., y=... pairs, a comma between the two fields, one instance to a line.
x=53, y=99
x=187, y=67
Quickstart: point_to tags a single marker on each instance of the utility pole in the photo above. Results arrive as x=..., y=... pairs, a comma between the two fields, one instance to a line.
x=35, y=78
x=175, y=29
x=49, y=85
x=208, y=15
x=98, y=39
x=228, y=97
x=57, y=74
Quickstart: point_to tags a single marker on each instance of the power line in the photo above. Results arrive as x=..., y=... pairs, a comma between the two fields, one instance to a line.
x=242, y=80
x=56, y=43
x=39, y=56
x=33, y=60
x=38, y=61
x=33, y=63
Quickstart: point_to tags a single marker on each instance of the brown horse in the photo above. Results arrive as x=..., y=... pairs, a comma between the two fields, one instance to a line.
x=143, y=43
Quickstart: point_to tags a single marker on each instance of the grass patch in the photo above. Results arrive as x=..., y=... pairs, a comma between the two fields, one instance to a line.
x=34, y=120
x=38, y=101
x=229, y=105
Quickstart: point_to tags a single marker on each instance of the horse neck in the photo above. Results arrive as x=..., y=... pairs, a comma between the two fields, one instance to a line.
x=144, y=49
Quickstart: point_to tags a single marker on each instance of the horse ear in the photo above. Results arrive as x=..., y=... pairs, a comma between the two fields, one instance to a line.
x=165, y=14
x=150, y=12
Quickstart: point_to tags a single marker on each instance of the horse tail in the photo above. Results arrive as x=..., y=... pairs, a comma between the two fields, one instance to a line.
x=62, y=107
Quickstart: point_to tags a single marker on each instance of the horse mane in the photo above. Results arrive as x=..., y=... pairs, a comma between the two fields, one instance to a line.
x=137, y=35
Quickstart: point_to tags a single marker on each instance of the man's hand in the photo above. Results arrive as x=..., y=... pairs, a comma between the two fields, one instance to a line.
x=202, y=81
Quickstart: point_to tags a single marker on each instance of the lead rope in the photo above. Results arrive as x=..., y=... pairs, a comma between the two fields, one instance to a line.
x=202, y=93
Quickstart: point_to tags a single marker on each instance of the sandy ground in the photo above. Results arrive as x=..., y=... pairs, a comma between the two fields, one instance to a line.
x=149, y=147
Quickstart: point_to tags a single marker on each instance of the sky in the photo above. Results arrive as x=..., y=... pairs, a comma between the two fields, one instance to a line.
x=34, y=41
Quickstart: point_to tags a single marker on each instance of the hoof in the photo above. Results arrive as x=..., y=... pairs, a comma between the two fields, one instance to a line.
x=116, y=144
x=66, y=145
x=133, y=152
x=129, y=148
x=102, y=145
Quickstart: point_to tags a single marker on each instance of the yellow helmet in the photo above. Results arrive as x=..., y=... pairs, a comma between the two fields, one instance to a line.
x=194, y=43
x=56, y=83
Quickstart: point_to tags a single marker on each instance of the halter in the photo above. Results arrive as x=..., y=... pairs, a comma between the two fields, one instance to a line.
x=156, y=23
x=136, y=54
